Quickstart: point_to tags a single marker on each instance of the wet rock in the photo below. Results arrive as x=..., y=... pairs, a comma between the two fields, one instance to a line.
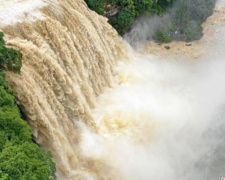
x=188, y=44
x=167, y=47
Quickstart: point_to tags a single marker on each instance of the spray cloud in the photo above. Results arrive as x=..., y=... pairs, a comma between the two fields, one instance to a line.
x=180, y=22
x=166, y=118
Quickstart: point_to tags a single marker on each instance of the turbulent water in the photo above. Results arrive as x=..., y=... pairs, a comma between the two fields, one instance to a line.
x=69, y=56
x=141, y=118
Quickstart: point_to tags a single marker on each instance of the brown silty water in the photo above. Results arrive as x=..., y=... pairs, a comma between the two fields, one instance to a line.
x=69, y=55
x=102, y=118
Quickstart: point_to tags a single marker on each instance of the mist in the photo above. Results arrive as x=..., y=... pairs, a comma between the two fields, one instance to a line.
x=144, y=28
x=165, y=119
x=194, y=11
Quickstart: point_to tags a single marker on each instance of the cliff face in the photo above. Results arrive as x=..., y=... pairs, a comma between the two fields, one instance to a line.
x=69, y=54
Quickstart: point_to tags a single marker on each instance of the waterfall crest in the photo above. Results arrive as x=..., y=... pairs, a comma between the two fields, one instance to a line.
x=69, y=54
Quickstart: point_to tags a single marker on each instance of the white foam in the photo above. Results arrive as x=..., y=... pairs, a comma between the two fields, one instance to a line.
x=13, y=11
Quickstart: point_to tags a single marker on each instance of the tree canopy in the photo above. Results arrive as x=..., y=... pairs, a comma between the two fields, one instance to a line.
x=186, y=16
x=185, y=20
x=125, y=11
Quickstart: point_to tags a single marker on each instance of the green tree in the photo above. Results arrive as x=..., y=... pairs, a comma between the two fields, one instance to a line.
x=186, y=16
x=9, y=58
x=129, y=10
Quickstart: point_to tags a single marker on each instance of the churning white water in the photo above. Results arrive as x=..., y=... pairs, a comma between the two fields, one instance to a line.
x=165, y=121
x=166, y=118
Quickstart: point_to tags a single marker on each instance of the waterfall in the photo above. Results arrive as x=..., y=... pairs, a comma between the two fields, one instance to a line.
x=108, y=112
x=69, y=56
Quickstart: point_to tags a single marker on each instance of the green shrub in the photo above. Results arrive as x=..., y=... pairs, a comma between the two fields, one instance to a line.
x=96, y=6
x=123, y=21
x=129, y=10
x=162, y=37
x=20, y=158
x=186, y=16
x=10, y=59
x=186, y=20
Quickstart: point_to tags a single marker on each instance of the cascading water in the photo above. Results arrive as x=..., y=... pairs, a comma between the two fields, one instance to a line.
x=163, y=118
x=69, y=56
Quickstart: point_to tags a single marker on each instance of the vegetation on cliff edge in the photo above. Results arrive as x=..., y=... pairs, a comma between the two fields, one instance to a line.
x=122, y=13
x=20, y=157
x=185, y=20
x=184, y=24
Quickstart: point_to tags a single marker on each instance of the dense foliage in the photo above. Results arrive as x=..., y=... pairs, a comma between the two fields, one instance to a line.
x=186, y=19
x=186, y=16
x=9, y=58
x=20, y=158
x=122, y=13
